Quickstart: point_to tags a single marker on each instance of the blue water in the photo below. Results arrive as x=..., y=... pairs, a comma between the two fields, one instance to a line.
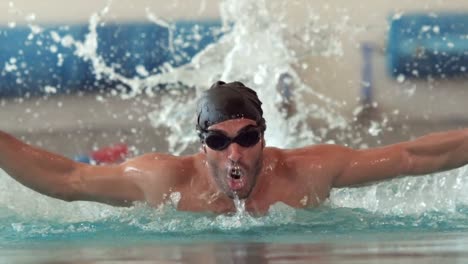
x=408, y=220
x=285, y=234
x=281, y=224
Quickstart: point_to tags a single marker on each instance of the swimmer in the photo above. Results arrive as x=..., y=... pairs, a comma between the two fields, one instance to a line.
x=233, y=161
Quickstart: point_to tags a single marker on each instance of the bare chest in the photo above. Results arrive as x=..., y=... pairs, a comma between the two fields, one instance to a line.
x=291, y=191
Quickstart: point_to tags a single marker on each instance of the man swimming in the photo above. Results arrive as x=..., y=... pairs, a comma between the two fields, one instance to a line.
x=233, y=161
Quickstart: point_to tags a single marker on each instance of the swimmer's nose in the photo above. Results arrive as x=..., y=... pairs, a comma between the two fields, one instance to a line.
x=235, y=152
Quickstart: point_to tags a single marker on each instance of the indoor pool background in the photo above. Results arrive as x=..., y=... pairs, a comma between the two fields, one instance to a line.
x=413, y=219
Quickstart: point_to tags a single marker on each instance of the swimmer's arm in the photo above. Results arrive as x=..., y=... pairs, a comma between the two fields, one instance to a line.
x=62, y=178
x=432, y=153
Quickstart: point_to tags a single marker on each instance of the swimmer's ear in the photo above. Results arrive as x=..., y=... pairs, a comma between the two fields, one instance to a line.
x=263, y=142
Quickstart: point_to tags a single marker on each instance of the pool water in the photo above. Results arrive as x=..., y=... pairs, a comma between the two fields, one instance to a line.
x=396, y=248
x=47, y=230
x=286, y=235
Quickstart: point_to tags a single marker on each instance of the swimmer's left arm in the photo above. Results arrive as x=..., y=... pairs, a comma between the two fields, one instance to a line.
x=428, y=154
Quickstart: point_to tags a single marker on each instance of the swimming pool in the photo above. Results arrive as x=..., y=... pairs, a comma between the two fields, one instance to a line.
x=407, y=220
x=405, y=228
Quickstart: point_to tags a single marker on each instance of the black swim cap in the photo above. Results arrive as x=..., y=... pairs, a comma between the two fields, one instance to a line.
x=225, y=101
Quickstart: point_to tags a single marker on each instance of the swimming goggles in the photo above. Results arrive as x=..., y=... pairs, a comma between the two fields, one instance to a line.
x=247, y=137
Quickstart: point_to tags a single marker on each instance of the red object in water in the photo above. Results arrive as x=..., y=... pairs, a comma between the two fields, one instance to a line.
x=110, y=154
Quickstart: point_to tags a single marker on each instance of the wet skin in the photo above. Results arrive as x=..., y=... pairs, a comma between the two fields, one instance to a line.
x=263, y=176
x=300, y=177
x=268, y=176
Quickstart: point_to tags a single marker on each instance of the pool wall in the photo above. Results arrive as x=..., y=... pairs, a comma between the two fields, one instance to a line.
x=36, y=63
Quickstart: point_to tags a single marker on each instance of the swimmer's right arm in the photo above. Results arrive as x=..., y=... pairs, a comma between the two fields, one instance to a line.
x=431, y=153
x=62, y=178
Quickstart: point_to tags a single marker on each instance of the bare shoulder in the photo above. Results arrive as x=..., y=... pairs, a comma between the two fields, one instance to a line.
x=309, y=153
x=160, y=168
x=152, y=160
x=305, y=172
x=158, y=175
x=317, y=150
x=317, y=160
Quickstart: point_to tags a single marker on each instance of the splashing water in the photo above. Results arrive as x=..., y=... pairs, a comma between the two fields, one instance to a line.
x=257, y=62
x=256, y=48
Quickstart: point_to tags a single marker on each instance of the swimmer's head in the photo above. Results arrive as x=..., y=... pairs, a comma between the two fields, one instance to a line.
x=226, y=101
x=230, y=124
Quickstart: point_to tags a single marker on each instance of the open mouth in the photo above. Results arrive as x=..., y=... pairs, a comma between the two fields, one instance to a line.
x=236, y=178
x=235, y=173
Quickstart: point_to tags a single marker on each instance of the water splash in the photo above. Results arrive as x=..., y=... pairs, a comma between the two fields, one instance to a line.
x=239, y=204
x=241, y=217
x=438, y=192
x=259, y=62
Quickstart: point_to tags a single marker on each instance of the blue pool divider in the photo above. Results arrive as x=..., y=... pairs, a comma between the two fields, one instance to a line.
x=421, y=45
x=30, y=62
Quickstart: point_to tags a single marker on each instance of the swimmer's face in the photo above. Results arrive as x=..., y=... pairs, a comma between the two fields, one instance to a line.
x=235, y=168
